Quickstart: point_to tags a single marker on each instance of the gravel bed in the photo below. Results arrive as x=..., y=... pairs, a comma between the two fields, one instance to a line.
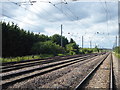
x=116, y=69
x=38, y=71
x=69, y=73
x=33, y=67
x=101, y=78
x=72, y=79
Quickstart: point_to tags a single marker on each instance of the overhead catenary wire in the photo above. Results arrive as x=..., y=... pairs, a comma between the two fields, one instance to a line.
x=54, y=4
x=67, y=15
x=106, y=10
x=30, y=3
x=44, y=10
x=108, y=18
x=33, y=26
x=106, y=14
x=60, y=10
x=27, y=9
x=39, y=15
x=66, y=4
x=105, y=7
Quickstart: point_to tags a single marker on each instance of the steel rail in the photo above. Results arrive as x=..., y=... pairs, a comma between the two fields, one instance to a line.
x=38, y=63
x=44, y=67
x=81, y=84
x=111, y=74
x=23, y=61
x=16, y=64
x=7, y=83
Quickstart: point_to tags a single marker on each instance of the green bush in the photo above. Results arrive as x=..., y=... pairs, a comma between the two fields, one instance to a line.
x=61, y=55
x=72, y=48
x=117, y=50
x=72, y=53
x=17, y=59
x=85, y=50
x=46, y=55
x=47, y=47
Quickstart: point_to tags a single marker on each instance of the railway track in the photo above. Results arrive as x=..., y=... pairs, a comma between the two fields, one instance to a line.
x=35, y=63
x=14, y=75
x=46, y=59
x=84, y=83
x=23, y=64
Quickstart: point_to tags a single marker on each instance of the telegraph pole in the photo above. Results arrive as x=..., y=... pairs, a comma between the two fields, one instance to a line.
x=90, y=44
x=118, y=23
x=116, y=41
x=82, y=41
x=61, y=36
x=119, y=34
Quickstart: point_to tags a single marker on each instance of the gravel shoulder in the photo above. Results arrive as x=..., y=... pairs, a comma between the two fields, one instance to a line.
x=72, y=79
x=101, y=78
x=116, y=69
x=68, y=76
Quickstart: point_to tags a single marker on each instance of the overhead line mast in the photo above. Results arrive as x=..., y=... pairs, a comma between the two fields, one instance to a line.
x=61, y=36
x=118, y=23
x=82, y=41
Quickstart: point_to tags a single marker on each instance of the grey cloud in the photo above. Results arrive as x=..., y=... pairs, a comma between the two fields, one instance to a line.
x=119, y=11
x=89, y=14
x=102, y=15
x=9, y=9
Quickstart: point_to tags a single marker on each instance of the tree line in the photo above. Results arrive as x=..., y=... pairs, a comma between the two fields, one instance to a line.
x=117, y=49
x=19, y=42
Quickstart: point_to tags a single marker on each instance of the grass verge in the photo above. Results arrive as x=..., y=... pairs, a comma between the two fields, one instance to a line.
x=17, y=59
x=117, y=55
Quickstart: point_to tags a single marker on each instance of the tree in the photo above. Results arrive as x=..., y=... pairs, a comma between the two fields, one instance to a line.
x=18, y=42
x=56, y=38
x=117, y=49
x=86, y=50
x=72, y=41
x=47, y=47
x=96, y=49
x=72, y=48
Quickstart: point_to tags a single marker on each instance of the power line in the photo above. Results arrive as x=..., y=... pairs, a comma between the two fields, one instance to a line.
x=105, y=7
x=46, y=12
x=26, y=9
x=31, y=3
x=39, y=15
x=65, y=3
x=59, y=10
x=42, y=8
x=20, y=21
x=108, y=17
x=57, y=7
x=106, y=14
x=76, y=17
x=106, y=11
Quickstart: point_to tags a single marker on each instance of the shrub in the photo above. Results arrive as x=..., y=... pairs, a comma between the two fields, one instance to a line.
x=72, y=48
x=47, y=47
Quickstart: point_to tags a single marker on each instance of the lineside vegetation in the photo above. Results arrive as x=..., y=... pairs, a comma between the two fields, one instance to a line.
x=117, y=51
x=19, y=44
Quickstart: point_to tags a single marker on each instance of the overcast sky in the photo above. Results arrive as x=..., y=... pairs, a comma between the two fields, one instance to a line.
x=95, y=21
